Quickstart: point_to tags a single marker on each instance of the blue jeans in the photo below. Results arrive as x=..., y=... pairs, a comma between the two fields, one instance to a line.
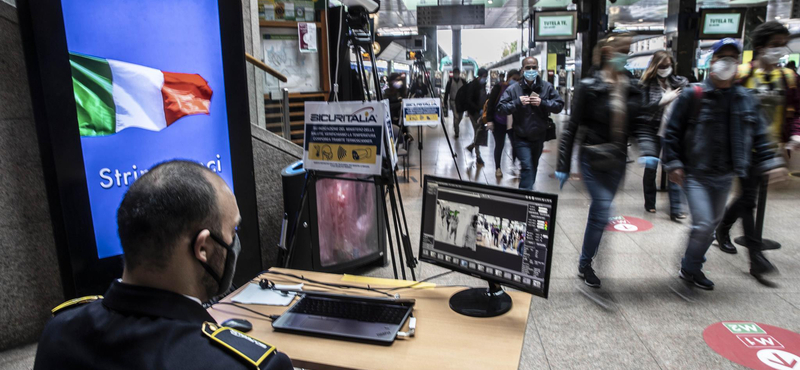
x=650, y=190
x=602, y=187
x=528, y=153
x=707, y=196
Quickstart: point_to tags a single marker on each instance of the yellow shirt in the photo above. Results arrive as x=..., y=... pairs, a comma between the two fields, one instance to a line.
x=770, y=90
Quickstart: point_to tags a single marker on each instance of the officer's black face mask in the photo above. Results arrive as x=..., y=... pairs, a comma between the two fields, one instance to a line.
x=224, y=282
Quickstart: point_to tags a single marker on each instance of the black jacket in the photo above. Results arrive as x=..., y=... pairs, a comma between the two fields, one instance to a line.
x=530, y=122
x=591, y=112
x=474, y=100
x=137, y=328
x=687, y=140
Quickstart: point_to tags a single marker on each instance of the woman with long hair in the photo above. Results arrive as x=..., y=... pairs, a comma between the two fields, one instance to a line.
x=661, y=87
x=606, y=108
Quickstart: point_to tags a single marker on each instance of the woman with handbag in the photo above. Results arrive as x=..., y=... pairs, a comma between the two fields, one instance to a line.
x=661, y=87
x=606, y=108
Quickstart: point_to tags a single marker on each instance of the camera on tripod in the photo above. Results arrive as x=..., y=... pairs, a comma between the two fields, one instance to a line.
x=357, y=19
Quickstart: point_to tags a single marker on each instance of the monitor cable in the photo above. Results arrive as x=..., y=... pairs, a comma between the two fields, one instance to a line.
x=268, y=317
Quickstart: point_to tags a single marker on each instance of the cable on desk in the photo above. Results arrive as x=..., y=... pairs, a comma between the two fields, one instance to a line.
x=419, y=282
x=270, y=317
x=340, y=286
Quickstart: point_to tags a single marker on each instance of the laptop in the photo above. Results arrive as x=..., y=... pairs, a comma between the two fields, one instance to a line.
x=358, y=318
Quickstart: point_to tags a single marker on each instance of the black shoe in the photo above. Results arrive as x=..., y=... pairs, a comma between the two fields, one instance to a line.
x=698, y=279
x=456, y=135
x=588, y=276
x=470, y=147
x=724, y=241
x=479, y=161
x=677, y=217
x=760, y=265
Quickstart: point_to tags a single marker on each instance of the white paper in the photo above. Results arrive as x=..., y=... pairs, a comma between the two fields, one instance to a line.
x=253, y=294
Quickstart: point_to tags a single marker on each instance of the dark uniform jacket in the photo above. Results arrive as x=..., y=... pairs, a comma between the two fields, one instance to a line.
x=530, y=122
x=138, y=328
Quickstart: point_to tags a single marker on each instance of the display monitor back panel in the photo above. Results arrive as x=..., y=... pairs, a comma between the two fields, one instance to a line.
x=495, y=233
x=119, y=86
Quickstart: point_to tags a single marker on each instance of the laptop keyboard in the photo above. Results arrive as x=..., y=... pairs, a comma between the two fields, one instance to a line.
x=360, y=311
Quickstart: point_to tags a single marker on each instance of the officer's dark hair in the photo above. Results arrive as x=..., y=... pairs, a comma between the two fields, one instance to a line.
x=761, y=35
x=172, y=200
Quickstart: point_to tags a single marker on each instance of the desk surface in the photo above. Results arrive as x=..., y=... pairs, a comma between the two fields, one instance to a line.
x=443, y=340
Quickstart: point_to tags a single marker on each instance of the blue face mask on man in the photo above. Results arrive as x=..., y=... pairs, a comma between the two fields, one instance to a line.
x=530, y=74
x=482, y=80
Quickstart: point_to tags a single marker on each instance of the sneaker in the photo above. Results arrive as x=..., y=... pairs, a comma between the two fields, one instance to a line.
x=470, y=147
x=724, y=241
x=760, y=265
x=588, y=276
x=698, y=279
x=498, y=173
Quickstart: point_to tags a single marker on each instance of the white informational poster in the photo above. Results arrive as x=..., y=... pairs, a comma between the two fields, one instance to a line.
x=307, y=37
x=421, y=112
x=390, y=133
x=344, y=137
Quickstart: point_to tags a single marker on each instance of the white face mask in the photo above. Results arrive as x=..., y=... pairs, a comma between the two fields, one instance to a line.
x=773, y=55
x=724, y=69
x=664, y=73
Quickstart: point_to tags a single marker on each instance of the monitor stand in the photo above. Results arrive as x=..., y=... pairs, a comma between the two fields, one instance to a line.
x=481, y=302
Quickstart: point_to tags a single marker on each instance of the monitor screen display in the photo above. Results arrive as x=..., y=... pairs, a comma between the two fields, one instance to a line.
x=498, y=234
x=554, y=26
x=148, y=87
x=721, y=23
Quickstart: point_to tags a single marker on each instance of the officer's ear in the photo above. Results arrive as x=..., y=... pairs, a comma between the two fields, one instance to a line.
x=201, y=246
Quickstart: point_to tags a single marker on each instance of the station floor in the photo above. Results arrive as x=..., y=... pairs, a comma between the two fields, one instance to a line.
x=643, y=317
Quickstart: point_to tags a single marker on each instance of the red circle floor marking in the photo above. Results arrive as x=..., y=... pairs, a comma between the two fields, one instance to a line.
x=755, y=345
x=628, y=224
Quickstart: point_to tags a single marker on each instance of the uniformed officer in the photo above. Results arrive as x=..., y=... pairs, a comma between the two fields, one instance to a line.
x=177, y=225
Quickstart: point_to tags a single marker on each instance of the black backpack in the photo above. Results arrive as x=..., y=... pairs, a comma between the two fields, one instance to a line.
x=461, y=98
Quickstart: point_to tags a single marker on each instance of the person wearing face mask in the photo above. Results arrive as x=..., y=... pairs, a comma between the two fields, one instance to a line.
x=497, y=122
x=660, y=87
x=776, y=90
x=419, y=89
x=530, y=103
x=476, y=96
x=454, y=84
x=715, y=132
x=177, y=226
x=607, y=111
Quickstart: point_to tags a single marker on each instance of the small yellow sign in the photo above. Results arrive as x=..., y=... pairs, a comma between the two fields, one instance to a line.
x=342, y=153
x=422, y=117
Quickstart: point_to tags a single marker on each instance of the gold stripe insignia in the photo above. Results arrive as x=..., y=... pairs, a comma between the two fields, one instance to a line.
x=75, y=302
x=252, y=350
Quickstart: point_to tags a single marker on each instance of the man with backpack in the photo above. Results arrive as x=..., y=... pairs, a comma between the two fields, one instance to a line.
x=530, y=103
x=714, y=133
x=454, y=85
x=475, y=92
x=776, y=90
x=498, y=123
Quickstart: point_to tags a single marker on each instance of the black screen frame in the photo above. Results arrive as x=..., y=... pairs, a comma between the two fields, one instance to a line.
x=47, y=60
x=537, y=15
x=701, y=35
x=483, y=275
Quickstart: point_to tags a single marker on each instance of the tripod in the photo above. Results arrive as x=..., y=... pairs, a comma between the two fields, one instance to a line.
x=419, y=68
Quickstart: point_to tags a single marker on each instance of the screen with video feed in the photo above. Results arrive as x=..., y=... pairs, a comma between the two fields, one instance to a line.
x=500, y=234
x=148, y=87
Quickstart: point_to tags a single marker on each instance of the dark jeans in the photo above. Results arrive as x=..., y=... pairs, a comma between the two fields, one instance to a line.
x=707, y=195
x=743, y=207
x=499, y=132
x=650, y=190
x=528, y=153
x=602, y=187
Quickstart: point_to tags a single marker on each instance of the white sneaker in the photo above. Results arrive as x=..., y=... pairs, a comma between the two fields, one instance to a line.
x=498, y=173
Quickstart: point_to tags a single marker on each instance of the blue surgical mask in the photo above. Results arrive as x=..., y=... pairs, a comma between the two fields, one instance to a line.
x=530, y=74
x=618, y=61
x=482, y=81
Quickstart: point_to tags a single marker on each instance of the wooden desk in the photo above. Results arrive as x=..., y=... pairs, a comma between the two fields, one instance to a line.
x=443, y=340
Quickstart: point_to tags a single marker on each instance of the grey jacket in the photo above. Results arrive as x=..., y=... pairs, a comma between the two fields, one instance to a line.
x=530, y=122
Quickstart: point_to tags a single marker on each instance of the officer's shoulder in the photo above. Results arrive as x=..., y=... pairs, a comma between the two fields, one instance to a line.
x=244, y=347
x=75, y=303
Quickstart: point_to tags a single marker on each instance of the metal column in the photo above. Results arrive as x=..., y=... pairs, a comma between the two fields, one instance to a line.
x=287, y=126
x=595, y=14
x=681, y=29
x=456, y=47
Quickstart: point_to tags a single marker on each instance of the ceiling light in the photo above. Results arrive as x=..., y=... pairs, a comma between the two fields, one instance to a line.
x=641, y=20
x=399, y=25
x=777, y=17
x=489, y=1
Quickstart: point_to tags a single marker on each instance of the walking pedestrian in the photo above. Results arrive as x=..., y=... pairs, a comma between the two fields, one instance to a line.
x=476, y=96
x=454, y=84
x=606, y=109
x=498, y=122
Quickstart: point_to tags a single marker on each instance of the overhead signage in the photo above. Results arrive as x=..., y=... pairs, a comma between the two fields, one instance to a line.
x=344, y=137
x=554, y=26
x=451, y=15
x=755, y=345
x=725, y=23
x=421, y=112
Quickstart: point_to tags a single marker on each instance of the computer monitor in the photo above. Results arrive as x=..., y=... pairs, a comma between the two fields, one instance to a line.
x=502, y=235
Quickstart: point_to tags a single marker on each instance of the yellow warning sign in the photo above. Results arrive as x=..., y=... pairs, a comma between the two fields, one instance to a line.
x=422, y=117
x=342, y=153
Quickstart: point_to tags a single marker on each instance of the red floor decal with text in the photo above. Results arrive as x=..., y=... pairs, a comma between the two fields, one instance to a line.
x=628, y=224
x=755, y=345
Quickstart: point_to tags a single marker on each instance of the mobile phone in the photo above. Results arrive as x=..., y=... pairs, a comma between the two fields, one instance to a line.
x=534, y=94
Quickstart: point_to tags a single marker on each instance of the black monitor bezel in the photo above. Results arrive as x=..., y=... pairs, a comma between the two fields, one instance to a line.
x=718, y=36
x=491, y=278
x=537, y=15
x=45, y=46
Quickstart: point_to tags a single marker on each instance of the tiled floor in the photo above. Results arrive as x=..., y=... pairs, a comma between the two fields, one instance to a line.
x=644, y=317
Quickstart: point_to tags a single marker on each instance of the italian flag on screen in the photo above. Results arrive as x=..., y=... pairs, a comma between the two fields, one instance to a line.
x=111, y=95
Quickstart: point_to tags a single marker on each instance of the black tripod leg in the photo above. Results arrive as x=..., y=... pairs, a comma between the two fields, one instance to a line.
x=296, y=227
x=444, y=129
x=382, y=189
x=393, y=205
x=761, y=208
x=419, y=146
x=405, y=242
x=407, y=239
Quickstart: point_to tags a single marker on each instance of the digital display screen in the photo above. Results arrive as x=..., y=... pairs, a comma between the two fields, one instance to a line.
x=721, y=23
x=553, y=26
x=148, y=83
x=499, y=234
